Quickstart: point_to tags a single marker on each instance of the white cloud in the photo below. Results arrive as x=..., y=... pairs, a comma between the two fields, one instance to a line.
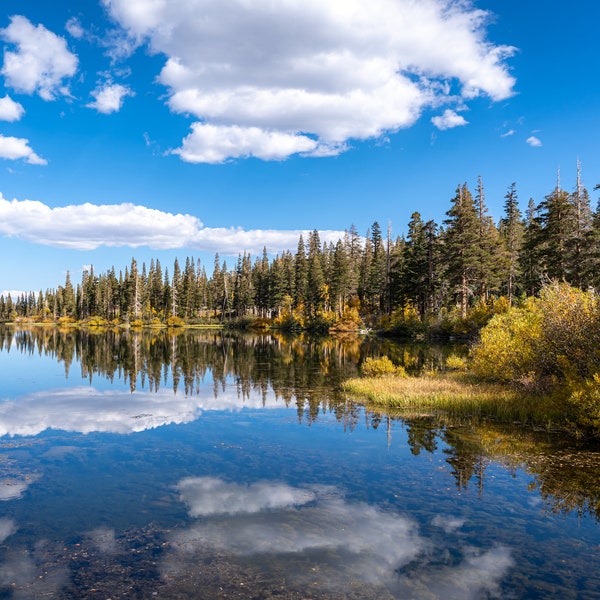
x=109, y=97
x=14, y=148
x=14, y=294
x=305, y=76
x=508, y=133
x=534, y=141
x=74, y=28
x=10, y=110
x=41, y=62
x=449, y=120
x=89, y=226
x=215, y=144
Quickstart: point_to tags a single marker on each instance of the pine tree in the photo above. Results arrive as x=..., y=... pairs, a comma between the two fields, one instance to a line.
x=415, y=275
x=489, y=247
x=512, y=232
x=300, y=274
x=316, y=294
x=68, y=303
x=559, y=225
x=531, y=257
x=339, y=280
x=175, y=288
x=461, y=249
x=242, y=285
x=377, y=278
x=579, y=248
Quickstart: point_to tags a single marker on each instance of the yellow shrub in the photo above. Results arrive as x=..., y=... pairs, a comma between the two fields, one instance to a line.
x=175, y=321
x=377, y=367
x=507, y=348
x=456, y=363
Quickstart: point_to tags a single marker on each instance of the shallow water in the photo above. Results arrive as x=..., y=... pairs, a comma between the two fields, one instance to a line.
x=210, y=465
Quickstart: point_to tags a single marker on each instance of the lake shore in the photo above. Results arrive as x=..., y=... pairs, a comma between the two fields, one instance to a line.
x=460, y=394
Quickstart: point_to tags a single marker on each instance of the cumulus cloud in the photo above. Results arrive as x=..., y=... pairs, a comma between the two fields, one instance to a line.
x=109, y=97
x=10, y=110
x=215, y=144
x=41, y=61
x=449, y=120
x=345, y=541
x=306, y=76
x=89, y=226
x=534, y=141
x=74, y=28
x=87, y=410
x=14, y=148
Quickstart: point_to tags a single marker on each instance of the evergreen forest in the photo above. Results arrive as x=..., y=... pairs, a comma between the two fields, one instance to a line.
x=448, y=278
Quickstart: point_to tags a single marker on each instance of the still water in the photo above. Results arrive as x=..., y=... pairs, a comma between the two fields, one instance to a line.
x=209, y=465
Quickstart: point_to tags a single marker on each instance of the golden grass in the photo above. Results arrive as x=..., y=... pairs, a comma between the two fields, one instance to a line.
x=457, y=395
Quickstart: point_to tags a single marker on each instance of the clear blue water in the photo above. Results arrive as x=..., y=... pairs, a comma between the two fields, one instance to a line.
x=252, y=476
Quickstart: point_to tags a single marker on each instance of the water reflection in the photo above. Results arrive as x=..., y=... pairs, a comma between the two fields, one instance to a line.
x=86, y=410
x=340, y=542
x=565, y=474
x=124, y=473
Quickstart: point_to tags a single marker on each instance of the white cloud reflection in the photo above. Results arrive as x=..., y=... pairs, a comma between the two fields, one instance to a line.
x=7, y=528
x=212, y=496
x=86, y=410
x=349, y=541
x=13, y=489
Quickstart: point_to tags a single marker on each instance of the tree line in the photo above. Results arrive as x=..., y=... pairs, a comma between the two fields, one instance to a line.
x=453, y=268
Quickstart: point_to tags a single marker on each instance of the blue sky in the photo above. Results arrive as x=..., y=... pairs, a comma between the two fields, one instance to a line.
x=174, y=128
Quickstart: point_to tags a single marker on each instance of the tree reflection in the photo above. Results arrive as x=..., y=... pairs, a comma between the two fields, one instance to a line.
x=565, y=474
x=306, y=373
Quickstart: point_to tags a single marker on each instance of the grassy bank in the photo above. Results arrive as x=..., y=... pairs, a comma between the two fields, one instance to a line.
x=457, y=394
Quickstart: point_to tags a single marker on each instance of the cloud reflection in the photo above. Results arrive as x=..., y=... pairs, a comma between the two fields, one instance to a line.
x=345, y=541
x=86, y=410
x=7, y=528
x=212, y=496
x=23, y=573
x=479, y=574
x=13, y=489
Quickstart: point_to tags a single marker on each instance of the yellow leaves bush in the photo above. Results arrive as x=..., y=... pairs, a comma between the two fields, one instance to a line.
x=378, y=367
x=456, y=363
x=507, y=347
x=556, y=336
x=175, y=321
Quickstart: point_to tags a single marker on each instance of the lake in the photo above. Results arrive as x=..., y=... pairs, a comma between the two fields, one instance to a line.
x=209, y=465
